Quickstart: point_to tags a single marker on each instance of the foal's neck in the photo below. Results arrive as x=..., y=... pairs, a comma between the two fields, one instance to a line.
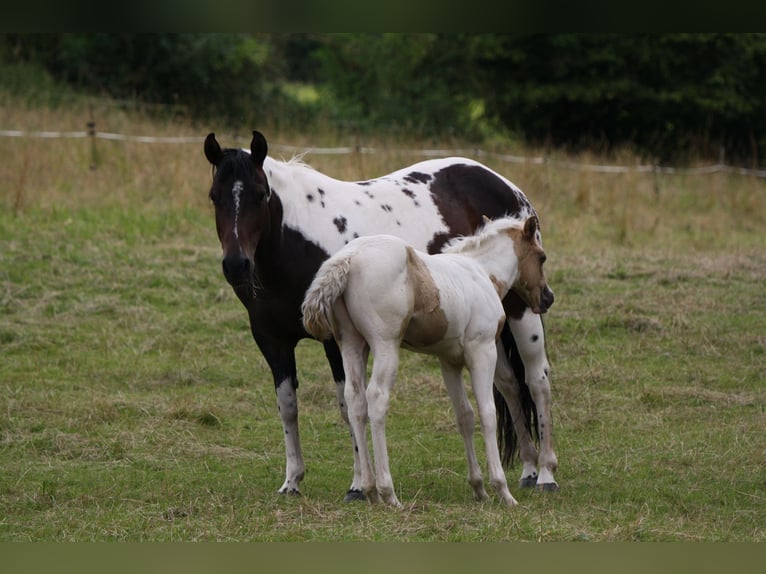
x=498, y=258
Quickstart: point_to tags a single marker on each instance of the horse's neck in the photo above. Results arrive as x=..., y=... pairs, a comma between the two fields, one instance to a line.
x=293, y=177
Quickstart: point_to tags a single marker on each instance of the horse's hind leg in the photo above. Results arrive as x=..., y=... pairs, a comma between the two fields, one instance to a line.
x=466, y=421
x=529, y=335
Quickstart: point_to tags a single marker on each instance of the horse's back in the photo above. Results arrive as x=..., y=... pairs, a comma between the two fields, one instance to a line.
x=425, y=203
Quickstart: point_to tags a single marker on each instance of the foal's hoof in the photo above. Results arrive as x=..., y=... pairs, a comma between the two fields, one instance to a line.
x=528, y=482
x=354, y=494
x=548, y=487
x=289, y=492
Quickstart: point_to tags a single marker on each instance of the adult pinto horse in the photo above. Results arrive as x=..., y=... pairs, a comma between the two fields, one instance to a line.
x=378, y=294
x=278, y=221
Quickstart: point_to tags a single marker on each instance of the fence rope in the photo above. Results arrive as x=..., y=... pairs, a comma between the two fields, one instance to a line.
x=474, y=152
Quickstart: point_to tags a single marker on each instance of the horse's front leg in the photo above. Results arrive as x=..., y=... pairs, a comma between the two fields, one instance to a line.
x=510, y=388
x=336, y=364
x=466, y=421
x=529, y=334
x=281, y=360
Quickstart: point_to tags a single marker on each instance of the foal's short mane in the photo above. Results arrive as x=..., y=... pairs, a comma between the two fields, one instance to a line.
x=482, y=235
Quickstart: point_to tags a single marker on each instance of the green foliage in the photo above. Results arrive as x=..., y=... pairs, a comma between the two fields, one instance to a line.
x=211, y=74
x=416, y=82
x=668, y=96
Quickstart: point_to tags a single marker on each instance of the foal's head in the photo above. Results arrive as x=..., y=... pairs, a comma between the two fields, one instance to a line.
x=240, y=193
x=531, y=284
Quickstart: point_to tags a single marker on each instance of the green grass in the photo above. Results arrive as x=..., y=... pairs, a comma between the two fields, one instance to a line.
x=135, y=406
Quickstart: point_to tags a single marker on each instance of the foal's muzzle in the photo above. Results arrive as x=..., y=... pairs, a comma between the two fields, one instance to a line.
x=546, y=300
x=237, y=269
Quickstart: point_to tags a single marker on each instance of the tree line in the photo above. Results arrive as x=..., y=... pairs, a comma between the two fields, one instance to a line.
x=667, y=96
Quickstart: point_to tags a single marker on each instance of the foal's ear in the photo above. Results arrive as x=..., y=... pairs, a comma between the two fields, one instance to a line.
x=258, y=149
x=213, y=151
x=531, y=225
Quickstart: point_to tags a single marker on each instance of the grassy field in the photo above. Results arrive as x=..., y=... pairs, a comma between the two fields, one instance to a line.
x=135, y=406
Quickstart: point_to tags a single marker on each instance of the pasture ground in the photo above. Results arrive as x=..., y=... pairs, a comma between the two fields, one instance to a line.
x=134, y=405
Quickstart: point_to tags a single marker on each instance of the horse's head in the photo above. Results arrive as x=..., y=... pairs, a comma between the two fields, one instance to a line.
x=240, y=193
x=531, y=284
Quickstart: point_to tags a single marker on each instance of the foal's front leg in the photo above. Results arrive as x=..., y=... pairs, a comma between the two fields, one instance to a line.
x=466, y=422
x=481, y=359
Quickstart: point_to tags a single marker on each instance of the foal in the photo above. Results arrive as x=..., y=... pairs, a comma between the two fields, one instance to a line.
x=379, y=294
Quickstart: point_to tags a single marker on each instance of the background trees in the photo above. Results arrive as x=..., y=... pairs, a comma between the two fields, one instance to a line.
x=667, y=96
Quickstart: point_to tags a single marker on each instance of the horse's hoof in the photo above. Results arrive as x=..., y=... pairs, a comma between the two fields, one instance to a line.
x=548, y=487
x=354, y=494
x=528, y=482
x=289, y=492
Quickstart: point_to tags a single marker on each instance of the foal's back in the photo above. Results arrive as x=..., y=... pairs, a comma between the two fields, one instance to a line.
x=429, y=303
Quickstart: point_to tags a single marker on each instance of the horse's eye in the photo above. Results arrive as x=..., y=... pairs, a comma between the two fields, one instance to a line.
x=214, y=198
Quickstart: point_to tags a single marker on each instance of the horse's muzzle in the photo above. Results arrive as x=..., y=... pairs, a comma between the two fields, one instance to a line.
x=237, y=269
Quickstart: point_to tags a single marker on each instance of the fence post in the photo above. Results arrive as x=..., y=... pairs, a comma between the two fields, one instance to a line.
x=91, y=124
x=656, y=172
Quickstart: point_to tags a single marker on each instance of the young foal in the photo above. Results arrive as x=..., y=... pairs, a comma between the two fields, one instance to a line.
x=379, y=294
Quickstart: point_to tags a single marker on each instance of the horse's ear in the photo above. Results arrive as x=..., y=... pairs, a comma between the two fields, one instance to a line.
x=213, y=151
x=531, y=225
x=258, y=149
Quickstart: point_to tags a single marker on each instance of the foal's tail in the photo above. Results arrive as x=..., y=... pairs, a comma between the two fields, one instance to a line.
x=328, y=284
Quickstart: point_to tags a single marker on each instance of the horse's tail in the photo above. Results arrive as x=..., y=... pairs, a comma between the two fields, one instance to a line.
x=328, y=284
x=507, y=441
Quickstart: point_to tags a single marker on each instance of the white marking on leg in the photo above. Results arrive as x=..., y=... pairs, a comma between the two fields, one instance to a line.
x=287, y=401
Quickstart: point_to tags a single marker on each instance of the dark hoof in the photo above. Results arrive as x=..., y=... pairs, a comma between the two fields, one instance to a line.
x=290, y=492
x=354, y=494
x=548, y=487
x=528, y=482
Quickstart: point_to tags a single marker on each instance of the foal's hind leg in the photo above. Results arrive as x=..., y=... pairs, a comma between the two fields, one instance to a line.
x=336, y=364
x=529, y=335
x=354, y=351
x=384, y=367
x=465, y=424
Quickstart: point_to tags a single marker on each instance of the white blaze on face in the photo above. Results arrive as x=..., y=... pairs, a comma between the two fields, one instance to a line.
x=235, y=191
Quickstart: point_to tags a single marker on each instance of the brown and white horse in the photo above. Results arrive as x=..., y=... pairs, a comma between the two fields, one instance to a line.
x=378, y=294
x=278, y=221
